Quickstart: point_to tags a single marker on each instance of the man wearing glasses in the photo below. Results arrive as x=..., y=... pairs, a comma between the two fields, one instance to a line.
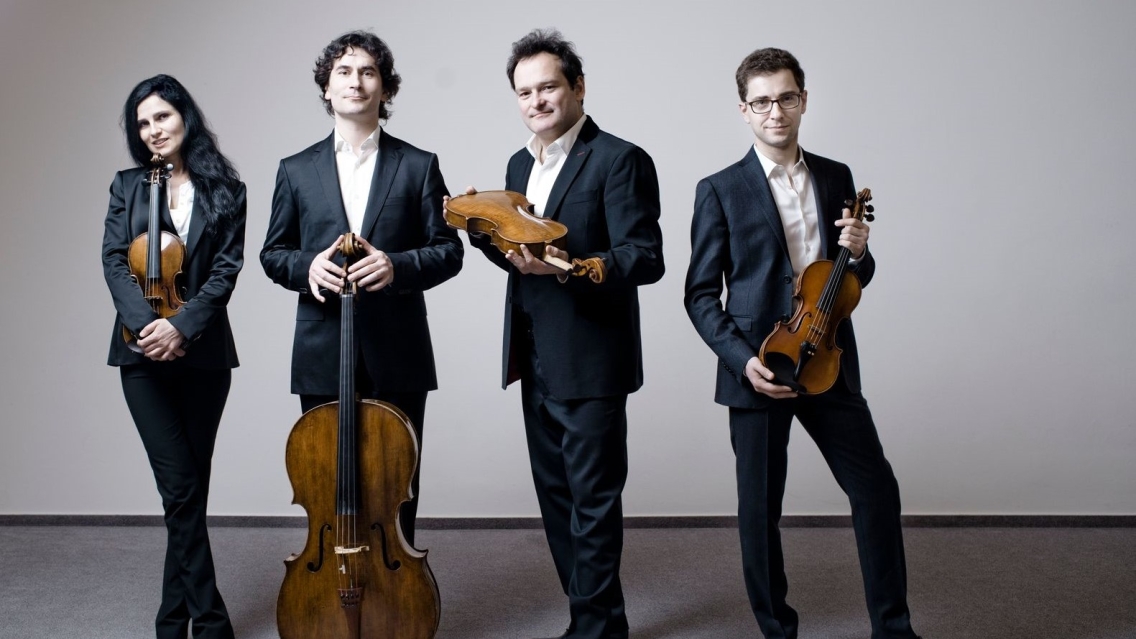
x=757, y=224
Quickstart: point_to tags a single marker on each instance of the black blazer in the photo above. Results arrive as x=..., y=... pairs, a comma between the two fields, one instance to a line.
x=586, y=334
x=404, y=220
x=209, y=274
x=736, y=234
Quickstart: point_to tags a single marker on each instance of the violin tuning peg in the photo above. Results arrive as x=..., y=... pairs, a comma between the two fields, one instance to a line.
x=870, y=218
x=870, y=208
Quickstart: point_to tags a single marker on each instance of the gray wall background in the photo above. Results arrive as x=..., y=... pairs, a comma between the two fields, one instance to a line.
x=997, y=138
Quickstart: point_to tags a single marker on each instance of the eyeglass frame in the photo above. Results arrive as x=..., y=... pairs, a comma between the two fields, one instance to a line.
x=799, y=96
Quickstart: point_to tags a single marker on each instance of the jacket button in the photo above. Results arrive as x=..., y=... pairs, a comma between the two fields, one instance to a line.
x=788, y=279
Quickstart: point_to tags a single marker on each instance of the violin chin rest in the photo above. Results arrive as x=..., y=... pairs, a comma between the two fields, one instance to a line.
x=783, y=367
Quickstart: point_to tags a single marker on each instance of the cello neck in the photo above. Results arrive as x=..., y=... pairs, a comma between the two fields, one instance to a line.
x=347, y=482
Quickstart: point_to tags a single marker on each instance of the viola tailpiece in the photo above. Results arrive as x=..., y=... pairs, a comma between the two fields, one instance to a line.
x=506, y=217
x=802, y=352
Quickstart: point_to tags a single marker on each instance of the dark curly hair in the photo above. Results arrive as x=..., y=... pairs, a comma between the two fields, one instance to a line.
x=767, y=62
x=215, y=181
x=372, y=44
x=546, y=41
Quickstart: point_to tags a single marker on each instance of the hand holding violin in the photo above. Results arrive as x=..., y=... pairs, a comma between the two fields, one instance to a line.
x=853, y=234
x=161, y=341
x=759, y=377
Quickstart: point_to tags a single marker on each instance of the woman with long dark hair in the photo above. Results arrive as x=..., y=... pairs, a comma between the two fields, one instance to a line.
x=176, y=380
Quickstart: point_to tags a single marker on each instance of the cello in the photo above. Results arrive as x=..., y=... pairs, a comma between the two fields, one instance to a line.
x=802, y=352
x=350, y=463
x=505, y=216
x=156, y=266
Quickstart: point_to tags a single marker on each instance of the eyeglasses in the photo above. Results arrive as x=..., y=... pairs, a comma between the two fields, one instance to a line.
x=765, y=105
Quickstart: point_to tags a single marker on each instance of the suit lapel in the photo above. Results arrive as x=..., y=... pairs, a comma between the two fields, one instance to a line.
x=825, y=210
x=386, y=167
x=572, y=165
x=196, y=225
x=323, y=161
x=753, y=176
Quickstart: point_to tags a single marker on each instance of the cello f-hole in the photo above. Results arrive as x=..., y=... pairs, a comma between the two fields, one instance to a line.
x=391, y=565
x=316, y=567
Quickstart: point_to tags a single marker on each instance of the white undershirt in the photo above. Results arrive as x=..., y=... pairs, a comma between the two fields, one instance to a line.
x=794, y=195
x=181, y=208
x=543, y=175
x=356, y=170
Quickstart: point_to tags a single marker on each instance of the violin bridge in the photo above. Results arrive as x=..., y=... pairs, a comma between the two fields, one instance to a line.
x=343, y=550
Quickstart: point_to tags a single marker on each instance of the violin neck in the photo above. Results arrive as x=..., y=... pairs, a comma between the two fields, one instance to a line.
x=347, y=481
x=154, y=233
x=835, y=279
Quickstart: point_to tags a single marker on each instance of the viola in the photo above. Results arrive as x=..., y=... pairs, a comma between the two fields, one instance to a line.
x=506, y=217
x=802, y=352
x=156, y=266
x=351, y=463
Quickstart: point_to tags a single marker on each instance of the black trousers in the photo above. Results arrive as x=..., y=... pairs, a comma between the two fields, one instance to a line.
x=177, y=411
x=578, y=452
x=841, y=425
x=414, y=405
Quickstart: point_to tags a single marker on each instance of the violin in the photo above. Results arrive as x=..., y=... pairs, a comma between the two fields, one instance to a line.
x=802, y=353
x=350, y=463
x=506, y=217
x=156, y=266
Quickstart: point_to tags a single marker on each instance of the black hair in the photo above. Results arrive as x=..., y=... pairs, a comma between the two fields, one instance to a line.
x=372, y=44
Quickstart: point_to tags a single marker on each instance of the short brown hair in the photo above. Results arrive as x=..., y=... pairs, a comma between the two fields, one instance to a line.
x=767, y=62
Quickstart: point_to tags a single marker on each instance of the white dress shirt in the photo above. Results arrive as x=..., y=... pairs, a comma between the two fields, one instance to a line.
x=543, y=174
x=356, y=170
x=181, y=209
x=794, y=194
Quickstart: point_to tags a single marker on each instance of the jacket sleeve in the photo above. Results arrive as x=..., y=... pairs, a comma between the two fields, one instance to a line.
x=213, y=296
x=136, y=313
x=282, y=258
x=440, y=257
x=631, y=211
x=709, y=260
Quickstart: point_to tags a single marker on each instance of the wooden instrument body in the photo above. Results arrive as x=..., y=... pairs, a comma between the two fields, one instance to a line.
x=504, y=216
x=351, y=463
x=787, y=337
x=400, y=603
x=156, y=267
x=802, y=353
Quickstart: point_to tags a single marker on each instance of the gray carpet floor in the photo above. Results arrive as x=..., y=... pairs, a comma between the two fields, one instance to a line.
x=983, y=583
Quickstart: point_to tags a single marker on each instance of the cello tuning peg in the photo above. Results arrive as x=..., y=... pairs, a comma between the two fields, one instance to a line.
x=870, y=218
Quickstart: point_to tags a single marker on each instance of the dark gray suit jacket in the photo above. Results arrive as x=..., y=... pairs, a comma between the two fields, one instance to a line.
x=586, y=334
x=209, y=274
x=737, y=236
x=404, y=220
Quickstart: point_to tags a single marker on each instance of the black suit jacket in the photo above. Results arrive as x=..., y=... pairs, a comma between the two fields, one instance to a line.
x=209, y=273
x=404, y=220
x=586, y=334
x=737, y=235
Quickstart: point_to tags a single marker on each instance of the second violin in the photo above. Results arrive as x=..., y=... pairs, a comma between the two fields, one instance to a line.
x=802, y=352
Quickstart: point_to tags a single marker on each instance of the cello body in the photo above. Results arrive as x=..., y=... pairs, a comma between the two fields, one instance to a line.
x=400, y=597
x=351, y=463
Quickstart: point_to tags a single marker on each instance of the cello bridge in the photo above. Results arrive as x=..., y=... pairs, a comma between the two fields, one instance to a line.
x=343, y=550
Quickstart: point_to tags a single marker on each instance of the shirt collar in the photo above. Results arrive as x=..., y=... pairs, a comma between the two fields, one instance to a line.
x=769, y=165
x=562, y=144
x=371, y=142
